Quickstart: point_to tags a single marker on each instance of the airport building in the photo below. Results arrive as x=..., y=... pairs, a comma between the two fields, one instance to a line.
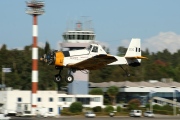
x=47, y=101
x=54, y=101
x=143, y=91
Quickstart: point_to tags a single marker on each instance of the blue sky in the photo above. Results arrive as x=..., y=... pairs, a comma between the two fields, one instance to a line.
x=155, y=22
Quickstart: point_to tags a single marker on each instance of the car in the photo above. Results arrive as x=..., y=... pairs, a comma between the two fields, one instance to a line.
x=90, y=114
x=4, y=117
x=148, y=114
x=49, y=114
x=135, y=113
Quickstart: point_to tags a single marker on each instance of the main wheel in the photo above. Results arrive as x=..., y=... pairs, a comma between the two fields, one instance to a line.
x=69, y=79
x=57, y=78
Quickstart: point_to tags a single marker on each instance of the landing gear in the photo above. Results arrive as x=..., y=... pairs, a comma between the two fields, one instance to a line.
x=69, y=78
x=58, y=78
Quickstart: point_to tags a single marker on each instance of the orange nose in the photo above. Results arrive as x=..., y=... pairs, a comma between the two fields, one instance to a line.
x=59, y=59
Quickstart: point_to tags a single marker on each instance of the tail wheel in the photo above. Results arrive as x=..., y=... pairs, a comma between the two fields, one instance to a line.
x=57, y=78
x=69, y=79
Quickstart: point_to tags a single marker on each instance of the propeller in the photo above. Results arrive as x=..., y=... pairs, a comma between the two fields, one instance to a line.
x=49, y=58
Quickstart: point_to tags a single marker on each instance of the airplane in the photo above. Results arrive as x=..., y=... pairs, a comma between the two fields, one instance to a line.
x=91, y=58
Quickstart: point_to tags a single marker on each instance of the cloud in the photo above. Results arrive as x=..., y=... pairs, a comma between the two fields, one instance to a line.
x=164, y=40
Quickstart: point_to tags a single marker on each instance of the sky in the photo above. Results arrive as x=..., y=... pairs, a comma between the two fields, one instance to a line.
x=115, y=22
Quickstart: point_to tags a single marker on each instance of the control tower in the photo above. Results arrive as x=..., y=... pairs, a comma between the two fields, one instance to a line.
x=78, y=38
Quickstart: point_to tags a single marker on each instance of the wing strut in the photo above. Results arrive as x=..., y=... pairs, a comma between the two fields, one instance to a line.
x=125, y=71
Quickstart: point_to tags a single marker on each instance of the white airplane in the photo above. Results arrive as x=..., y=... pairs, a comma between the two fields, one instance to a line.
x=91, y=58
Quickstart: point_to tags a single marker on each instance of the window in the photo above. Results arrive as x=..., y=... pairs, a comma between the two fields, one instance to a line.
x=95, y=49
x=19, y=99
x=65, y=99
x=26, y=107
x=50, y=109
x=65, y=37
x=61, y=99
x=84, y=101
x=88, y=37
x=50, y=99
x=39, y=99
x=78, y=37
x=89, y=47
x=96, y=99
x=69, y=99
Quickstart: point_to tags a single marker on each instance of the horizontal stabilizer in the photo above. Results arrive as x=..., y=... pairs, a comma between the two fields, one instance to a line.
x=137, y=57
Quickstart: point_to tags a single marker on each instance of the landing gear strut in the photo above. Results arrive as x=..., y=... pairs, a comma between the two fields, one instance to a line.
x=128, y=75
x=57, y=77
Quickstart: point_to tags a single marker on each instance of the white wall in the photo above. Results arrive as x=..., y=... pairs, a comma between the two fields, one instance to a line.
x=11, y=100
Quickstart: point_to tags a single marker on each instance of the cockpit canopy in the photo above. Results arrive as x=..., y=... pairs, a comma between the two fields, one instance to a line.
x=95, y=48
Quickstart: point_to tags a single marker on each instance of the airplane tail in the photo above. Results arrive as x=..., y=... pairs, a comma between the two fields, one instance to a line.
x=133, y=54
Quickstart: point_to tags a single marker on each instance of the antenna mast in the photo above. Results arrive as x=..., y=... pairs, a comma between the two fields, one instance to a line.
x=34, y=8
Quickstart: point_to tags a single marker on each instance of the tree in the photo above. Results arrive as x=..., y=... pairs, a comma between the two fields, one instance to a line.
x=109, y=109
x=134, y=104
x=97, y=109
x=121, y=51
x=47, y=48
x=4, y=47
x=76, y=107
x=112, y=92
x=106, y=49
x=118, y=109
x=96, y=91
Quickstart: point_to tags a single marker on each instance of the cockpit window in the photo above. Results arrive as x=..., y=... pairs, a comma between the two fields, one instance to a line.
x=89, y=47
x=95, y=49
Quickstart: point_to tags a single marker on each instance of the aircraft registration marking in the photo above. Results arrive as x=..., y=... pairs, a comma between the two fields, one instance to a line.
x=131, y=49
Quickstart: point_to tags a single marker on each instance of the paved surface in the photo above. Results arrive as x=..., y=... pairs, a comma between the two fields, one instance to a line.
x=157, y=117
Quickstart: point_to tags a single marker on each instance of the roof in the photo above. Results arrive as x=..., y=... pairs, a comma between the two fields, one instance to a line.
x=160, y=84
x=174, y=84
x=135, y=84
x=144, y=84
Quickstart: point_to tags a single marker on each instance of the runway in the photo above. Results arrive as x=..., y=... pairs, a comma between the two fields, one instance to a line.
x=161, y=117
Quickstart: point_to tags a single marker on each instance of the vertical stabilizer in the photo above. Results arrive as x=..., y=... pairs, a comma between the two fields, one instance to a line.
x=134, y=49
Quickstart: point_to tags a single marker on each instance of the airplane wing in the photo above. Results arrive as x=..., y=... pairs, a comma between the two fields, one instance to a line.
x=93, y=63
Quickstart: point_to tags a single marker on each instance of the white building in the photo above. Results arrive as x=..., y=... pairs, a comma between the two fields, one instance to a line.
x=47, y=101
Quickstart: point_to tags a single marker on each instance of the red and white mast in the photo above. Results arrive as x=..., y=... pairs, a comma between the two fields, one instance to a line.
x=34, y=9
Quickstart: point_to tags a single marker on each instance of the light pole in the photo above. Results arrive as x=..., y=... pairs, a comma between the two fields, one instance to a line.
x=3, y=79
x=174, y=102
x=151, y=99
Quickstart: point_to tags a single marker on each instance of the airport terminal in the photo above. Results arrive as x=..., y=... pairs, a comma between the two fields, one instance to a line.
x=143, y=90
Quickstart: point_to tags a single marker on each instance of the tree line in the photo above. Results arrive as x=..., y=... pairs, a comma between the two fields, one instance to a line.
x=162, y=64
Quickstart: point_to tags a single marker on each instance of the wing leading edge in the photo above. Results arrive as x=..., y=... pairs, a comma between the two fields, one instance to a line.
x=93, y=63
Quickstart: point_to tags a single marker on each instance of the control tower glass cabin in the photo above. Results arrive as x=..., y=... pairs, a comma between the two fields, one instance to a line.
x=78, y=38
